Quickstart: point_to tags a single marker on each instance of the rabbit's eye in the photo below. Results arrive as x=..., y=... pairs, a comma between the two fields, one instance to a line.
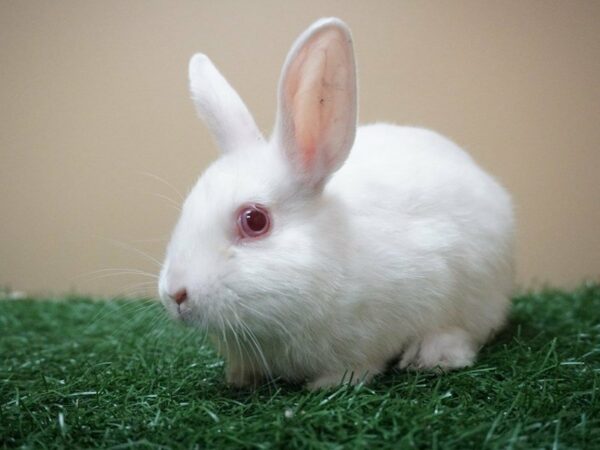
x=253, y=221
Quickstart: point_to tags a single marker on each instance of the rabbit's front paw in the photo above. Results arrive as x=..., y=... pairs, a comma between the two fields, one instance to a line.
x=449, y=349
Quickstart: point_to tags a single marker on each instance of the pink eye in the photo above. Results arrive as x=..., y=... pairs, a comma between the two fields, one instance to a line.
x=253, y=221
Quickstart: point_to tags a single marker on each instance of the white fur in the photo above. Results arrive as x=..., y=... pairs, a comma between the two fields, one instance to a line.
x=407, y=249
x=220, y=106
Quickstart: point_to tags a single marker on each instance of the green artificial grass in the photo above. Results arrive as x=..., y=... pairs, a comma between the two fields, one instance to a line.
x=85, y=374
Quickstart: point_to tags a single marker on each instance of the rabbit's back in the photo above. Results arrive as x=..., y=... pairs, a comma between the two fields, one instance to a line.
x=417, y=174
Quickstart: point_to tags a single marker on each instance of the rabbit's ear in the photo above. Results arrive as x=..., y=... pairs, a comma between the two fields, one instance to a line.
x=316, y=120
x=219, y=105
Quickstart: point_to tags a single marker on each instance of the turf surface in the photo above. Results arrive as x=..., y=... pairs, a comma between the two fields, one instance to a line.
x=79, y=373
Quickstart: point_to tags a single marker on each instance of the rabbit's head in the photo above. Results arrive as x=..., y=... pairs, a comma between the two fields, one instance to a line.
x=259, y=240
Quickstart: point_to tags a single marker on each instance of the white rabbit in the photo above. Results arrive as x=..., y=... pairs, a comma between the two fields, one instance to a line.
x=306, y=261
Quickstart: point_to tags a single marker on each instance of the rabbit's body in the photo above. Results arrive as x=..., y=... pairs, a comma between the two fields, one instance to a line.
x=424, y=238
x=405, y=251
x=445, y=250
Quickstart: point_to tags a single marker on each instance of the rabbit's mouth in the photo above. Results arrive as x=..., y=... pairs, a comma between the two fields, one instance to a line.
x=205, y=312
x=184, y=313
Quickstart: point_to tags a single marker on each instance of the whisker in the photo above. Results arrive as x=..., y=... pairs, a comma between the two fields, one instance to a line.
x=107, y=309
x=253, y=340
x=102, y=276
x=130, y=247
x=162, y=180
x=110, y=302
x=169, y=200
x=117, y=269
x=224, y=334
x=141, y=241
x=272, y=319
x=140, y=289
x=241, y=351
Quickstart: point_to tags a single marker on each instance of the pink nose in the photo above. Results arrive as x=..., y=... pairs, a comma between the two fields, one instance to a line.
x=180, y=296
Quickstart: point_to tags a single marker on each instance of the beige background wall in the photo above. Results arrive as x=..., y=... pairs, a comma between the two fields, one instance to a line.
x=94, y=110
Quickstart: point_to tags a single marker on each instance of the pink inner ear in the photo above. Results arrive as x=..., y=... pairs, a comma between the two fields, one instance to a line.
x=309, y=106
x=313, y=88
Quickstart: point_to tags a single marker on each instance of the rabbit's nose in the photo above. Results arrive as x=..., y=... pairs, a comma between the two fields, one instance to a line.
x=180, y=296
